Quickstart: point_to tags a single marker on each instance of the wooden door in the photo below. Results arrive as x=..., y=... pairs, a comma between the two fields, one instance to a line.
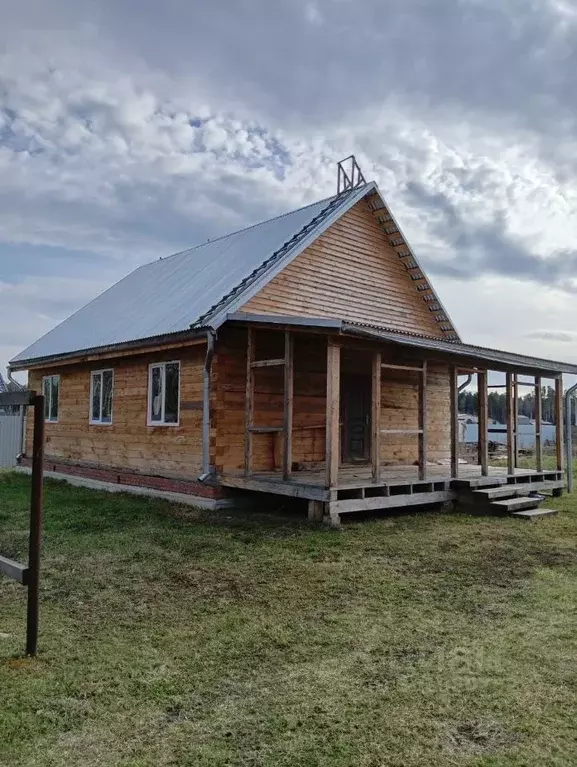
x=355, y=418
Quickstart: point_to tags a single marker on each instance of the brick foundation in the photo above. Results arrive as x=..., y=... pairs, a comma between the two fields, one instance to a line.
x=126, y=477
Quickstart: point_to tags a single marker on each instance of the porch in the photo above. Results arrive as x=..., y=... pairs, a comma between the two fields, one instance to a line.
x=371, y=422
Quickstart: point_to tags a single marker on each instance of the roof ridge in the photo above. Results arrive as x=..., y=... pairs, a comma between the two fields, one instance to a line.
x=239, y=231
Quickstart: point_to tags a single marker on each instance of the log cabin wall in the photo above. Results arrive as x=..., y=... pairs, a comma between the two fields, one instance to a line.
x=350, y=272
x=398, y=400
x=309, y=400
x=128, y=443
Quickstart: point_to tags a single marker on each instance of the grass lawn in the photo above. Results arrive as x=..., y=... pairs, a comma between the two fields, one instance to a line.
x=179, y=637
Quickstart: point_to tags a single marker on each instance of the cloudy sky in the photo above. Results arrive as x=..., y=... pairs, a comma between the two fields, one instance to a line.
x=130, y=129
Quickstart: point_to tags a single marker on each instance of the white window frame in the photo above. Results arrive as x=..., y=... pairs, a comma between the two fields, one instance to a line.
x=91, y=420
x=162, y=422
x=50, y=378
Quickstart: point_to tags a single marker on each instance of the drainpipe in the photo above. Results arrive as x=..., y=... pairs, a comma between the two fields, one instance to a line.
x=210, y=336
x=569, y=437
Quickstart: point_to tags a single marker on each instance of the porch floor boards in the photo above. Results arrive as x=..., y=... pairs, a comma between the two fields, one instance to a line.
x=397, y=479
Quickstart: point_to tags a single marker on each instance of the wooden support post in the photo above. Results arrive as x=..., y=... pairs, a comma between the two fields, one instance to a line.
x=483, y=415
x=423, y=423
x=454, y=394
x=510, y=424
x=516, y=419
x=288, y=405
x=376, y=418
x=33, y=579
x=559, y=422
x=249, y=402
x=538, y=424
x=333, y=414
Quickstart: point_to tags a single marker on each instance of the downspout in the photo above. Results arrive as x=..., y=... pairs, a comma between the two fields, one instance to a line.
x=210, y=336
x=569, y=437
x=467, y=382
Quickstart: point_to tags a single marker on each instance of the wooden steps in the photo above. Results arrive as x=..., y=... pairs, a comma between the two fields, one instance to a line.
x=530, y=514
x=509, y=491
x=516, y=504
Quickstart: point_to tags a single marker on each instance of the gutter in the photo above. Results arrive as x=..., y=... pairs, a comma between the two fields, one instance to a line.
x=206, y=472
x=569, y=437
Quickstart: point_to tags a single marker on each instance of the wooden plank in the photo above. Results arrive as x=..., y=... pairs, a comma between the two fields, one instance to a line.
x=333, y=414
x=483, y=444
x=401, y=431
x=249, y=403
x=423, y=423
x=288, y=404
x=293, y=489
x=454, y=406
x=516, y=418
x=16, y=398
x=403, y=367
x=14, y=570
x=510, y=424
x=559, y=422
x=538, y=424
x=376, y=418
x=392, y=501
x=265, y=429
x=268, y=363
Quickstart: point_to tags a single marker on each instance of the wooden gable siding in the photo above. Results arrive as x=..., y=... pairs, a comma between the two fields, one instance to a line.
x=173, y=451
x=350, y=272
x=399, y=405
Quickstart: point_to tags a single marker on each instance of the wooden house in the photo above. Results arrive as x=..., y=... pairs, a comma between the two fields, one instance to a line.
x=307, y=356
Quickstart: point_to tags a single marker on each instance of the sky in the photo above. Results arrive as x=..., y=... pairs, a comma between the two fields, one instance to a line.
x=131, y=130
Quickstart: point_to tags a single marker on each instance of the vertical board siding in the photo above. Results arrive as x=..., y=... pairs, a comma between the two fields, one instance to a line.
x=10, y=439
x=128, y=442
x=351, y=272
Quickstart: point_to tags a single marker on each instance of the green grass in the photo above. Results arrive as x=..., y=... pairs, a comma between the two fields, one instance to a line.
x=178, y=637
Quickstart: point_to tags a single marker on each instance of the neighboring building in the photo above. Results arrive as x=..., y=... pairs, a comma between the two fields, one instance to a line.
x=308, y=355
x=7, y=386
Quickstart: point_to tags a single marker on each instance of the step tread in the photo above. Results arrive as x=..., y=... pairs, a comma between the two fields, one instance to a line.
x=516, y=490
x=535, y=513
x=516, y=504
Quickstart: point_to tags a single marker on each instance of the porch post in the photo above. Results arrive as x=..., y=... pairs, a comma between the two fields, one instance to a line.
x=538, y=424
x=454, y=396
x=333, y=413
x=288, y=405
x=510, y=425
x=249, y=402
x=423, y=422
x=559, y=422
x=483, y=421
x=376, y=418
x=516, y=418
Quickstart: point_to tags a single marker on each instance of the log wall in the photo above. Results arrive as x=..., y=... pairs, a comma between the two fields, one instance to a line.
x=173, y=451
x=350, y=272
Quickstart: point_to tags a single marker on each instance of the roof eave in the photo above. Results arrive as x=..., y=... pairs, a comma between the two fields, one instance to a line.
x=110, y=350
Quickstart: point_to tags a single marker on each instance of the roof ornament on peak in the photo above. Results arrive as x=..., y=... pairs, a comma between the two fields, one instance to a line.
x=349, y=175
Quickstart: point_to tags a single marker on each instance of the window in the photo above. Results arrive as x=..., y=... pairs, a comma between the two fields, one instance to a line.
x=51, y=389
x=163, y=394
x=101, y=384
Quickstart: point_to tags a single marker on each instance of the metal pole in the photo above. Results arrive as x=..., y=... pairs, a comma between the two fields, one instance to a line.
x=35, y=526
x=569, y=437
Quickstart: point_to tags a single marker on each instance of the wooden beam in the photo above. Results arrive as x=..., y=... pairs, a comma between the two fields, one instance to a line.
x=376, y=418
x=14, y=570
x=402, y=367
x=454, y=408
x=510, y=424
x=249, y=402
x=516, y=418
x=538, y=424
x=288, y=400
x=401, y=431
x=265, y=429
x=423, y=423
x=333, y=413
x=559, y=422
x=268, y=363
x=483, y=421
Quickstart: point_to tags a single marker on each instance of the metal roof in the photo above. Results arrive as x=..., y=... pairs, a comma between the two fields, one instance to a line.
x=374, y=332
x=194, y=288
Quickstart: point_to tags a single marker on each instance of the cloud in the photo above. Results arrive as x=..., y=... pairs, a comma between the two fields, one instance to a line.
x=554, y=335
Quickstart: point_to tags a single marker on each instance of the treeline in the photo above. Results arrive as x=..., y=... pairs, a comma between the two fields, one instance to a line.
x=497, y=403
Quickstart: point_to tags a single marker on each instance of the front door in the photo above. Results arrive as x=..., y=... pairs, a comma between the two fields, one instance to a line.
x=355, y=418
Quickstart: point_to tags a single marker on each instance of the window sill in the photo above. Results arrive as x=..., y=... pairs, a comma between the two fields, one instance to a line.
x=100, y=423
x=156, y=424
